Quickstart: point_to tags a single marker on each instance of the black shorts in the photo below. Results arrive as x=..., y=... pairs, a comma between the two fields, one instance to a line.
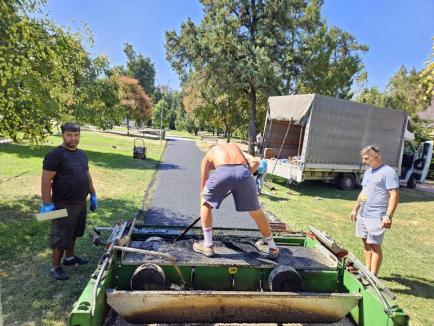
x=64, y=230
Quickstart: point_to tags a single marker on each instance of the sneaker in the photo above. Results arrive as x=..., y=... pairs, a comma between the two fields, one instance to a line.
x=200, y=248
x=273, y=254
x=76, y=261
x=59, y=274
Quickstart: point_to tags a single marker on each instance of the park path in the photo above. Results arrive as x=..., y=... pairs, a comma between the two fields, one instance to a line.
x=176, y=199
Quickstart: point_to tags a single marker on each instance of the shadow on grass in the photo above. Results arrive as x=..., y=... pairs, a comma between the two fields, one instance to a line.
x=272, y=197
x=29, y=295
x=102, y=159
x=330, y=191
x=415, y=286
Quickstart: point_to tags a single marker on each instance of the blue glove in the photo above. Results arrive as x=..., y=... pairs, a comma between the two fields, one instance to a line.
x=47, y=208
x=93, y=202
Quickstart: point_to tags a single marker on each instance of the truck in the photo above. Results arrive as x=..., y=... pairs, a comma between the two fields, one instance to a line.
x=316, y=137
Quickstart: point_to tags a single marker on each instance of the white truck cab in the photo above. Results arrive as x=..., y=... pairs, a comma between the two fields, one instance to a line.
x=415, y=163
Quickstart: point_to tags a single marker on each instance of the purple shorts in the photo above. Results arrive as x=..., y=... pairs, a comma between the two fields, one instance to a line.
x=235, y=178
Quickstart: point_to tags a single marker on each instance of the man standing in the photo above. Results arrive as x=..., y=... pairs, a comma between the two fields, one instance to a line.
x=66, y=182
x=259, y=140
x=232, y=174
x=375, y=206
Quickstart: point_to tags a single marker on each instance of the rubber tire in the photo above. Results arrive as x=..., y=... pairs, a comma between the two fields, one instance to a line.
x=412, y=182
x=285, y=279
x=148, y=277
x=346, y=181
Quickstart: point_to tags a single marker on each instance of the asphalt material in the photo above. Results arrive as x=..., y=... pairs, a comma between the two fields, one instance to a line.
x=176, y=200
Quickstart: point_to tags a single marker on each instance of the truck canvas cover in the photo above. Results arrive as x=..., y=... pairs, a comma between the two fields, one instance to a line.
x=336, y=129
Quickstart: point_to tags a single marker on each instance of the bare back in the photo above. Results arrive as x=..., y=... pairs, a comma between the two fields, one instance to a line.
x=224, y=154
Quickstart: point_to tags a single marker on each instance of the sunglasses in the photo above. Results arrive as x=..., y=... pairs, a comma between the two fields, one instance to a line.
x=369, y=148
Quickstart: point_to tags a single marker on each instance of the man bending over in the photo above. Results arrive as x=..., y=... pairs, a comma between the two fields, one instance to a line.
x=232, y=174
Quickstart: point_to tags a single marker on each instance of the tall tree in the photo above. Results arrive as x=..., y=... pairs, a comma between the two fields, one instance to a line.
x=162, y=115
x=46, y=76
x=140, y=68
x=136, y=104
x=331, y=63
x=254, y=47
x=427, y=78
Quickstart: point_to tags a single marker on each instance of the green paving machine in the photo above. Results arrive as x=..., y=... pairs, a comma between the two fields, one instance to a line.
x=146, y=277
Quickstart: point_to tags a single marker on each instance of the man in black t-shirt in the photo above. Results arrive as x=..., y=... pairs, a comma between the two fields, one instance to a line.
x=66, y=182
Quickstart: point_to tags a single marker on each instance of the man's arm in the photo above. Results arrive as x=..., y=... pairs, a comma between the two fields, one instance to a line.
x=391, y=207
x=353, y=214
x=91, y=188
x=252, y=161
x=46, y=180
x=204, y=171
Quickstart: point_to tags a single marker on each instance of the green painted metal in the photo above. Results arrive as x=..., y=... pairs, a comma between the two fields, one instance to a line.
x=371, y=310
x=81, y=314
x=320, y=281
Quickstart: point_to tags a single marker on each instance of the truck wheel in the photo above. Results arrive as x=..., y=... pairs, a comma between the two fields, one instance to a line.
x=346, y=181
x=412, y=182
x=148, y=277
x=285, y=279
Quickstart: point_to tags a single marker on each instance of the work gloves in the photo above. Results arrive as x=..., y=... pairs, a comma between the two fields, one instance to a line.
x=45, y=208
x=93, y=202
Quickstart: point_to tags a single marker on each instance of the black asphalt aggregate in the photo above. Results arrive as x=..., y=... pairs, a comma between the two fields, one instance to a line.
x=177, y=197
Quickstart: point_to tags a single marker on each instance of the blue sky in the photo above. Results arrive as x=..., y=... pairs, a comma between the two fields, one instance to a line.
x=398, y=32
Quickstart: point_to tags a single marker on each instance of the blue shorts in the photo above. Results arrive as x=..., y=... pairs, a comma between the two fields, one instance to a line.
x=370, y=228
x=235, y=178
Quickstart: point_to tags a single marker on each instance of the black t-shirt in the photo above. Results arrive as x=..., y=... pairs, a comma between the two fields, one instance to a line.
x=71, y=182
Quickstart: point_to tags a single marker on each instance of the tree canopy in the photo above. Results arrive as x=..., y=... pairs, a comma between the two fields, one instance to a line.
x=47, y=76
x=140, y=68
x=136, y=104
x=243, y=51
x=402, y=93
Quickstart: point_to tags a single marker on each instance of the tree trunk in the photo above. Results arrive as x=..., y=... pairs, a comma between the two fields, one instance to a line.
x=128, y=126
x=252, y=121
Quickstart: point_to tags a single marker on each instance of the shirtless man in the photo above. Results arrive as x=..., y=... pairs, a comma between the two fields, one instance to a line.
x=232, y=174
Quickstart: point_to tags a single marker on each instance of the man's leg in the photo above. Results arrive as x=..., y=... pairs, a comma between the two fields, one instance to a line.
x=206, y=222
x=264, y=228
x=69, y=253
x=376, y=259
x=368, y=253
x=206, y=215
x=205, y=247
x=261, y=222
x=57, y=257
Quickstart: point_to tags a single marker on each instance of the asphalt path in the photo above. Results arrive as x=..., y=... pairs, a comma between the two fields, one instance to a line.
x=176, y=200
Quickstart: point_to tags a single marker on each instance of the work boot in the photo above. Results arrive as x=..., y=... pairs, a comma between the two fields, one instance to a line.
x=59, y=274
x=273, y=253
x=200, y=248
x=75, y=261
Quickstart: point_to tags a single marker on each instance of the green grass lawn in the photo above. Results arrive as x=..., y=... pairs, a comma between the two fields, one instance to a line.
x=29, y=296
x=408, y=247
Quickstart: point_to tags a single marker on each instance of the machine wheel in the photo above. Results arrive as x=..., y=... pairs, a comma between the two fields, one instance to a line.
x=148, y=277
x=412, y=182
x=285, y=279
x=346, y=181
